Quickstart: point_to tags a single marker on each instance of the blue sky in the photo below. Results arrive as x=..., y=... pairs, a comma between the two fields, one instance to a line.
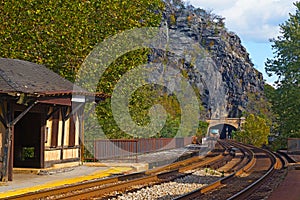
x=254, y=21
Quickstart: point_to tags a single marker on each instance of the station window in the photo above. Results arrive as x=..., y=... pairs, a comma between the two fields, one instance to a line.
x=27, y=153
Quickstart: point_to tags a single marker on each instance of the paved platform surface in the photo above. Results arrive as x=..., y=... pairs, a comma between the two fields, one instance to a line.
x=294, y=156
x=29, y=180
x=289, y=189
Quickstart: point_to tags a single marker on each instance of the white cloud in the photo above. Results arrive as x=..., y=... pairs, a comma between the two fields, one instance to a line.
x=252, y=20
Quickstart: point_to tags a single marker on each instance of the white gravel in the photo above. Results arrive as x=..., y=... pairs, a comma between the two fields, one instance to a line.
x=177, y=187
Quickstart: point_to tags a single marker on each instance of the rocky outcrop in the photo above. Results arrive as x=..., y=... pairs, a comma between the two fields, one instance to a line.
x=224, y=54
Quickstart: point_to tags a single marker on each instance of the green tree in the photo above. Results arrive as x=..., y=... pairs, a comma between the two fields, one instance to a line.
x=202, y=128
x=272, y=117
x=60, y=34
x=253, y=131
x=258, y=104
x=286, y=65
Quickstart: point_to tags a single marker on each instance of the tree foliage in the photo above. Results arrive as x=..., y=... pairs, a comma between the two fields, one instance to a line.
x=202, y=129
x=286, y=65
x=60, y=34
x=253, y=131
x=259, y=105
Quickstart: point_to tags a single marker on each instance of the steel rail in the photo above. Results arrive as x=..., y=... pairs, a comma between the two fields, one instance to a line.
x=276, y=163
x=200, y=191
x=249, y=189
x=146, y=181
x=113, y=182
x=119, y=187
x=283, y=159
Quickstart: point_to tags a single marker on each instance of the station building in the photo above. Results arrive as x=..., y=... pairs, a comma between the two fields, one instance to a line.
x=41, y=117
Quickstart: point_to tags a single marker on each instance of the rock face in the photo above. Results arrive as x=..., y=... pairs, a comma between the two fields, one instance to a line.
x=229, y=75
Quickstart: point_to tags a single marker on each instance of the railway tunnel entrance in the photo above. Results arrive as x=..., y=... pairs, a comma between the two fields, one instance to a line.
x=222, y=128
x=222, y=131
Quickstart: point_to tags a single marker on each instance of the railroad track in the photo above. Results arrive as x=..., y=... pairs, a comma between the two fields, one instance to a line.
x=241, y=184
x=191, y=177
x=238, y=165
x=89, y=189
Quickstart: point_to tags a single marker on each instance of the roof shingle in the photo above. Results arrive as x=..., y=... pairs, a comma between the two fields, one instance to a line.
x=31, y=78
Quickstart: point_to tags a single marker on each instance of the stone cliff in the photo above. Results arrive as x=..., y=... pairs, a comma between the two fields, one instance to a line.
x=225, y=85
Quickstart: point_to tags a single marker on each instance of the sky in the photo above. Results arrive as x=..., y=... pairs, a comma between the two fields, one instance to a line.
x=254, y=21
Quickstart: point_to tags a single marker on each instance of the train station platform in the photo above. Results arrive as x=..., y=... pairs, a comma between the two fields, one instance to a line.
x=289, y=189
x=30, y=180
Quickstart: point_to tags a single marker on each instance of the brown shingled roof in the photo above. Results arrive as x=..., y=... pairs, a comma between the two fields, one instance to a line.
x=27, y=77
x=18, y=76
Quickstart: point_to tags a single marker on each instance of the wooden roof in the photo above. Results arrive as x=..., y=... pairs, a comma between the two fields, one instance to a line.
x=18, y=76
x=26, y=77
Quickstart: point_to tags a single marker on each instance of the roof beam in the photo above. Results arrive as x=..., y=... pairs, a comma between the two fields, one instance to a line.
x=22, y=114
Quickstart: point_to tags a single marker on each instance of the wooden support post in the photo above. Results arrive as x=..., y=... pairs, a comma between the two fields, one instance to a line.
x=81, y=133
x=64, y=117
x=7, y=144
x=11, y=155
x=6, y=154
x=2, y=120
x=13, y=122
x=7, y=166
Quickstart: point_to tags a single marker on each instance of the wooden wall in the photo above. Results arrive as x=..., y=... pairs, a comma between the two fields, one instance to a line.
x=62, y=138
x=60, y=134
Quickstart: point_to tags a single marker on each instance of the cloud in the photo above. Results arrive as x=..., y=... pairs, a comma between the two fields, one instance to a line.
x=252, y=20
